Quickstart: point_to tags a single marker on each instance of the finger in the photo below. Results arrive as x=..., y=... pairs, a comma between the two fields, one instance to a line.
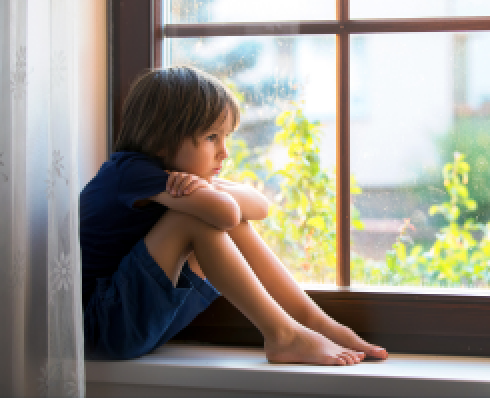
x=190, y=184
x=184, y=180
x=170, y=181
x=201, y=183
x=193, y=185
x=175, y=179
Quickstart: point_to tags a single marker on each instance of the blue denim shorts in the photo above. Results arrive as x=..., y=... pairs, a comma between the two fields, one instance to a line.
x=138, y=309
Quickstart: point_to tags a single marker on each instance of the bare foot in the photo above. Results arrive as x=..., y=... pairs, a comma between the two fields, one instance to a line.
x=344, y=336
x=308, y=346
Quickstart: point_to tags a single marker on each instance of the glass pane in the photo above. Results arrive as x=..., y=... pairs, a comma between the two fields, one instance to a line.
x=274, y=76
x=420, y=153
x=418, y=8
x=222, y=11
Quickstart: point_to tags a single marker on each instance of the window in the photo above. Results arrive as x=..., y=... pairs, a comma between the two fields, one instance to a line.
x=441, y=321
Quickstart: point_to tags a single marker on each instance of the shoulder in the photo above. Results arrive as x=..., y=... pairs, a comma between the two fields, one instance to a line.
x=122, y=160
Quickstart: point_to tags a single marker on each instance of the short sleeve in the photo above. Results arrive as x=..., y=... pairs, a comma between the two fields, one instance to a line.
x=141, y=178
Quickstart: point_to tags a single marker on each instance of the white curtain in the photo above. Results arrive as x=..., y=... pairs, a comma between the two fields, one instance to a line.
x=41, y=340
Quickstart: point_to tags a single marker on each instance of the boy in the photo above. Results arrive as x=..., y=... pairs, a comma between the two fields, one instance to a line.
x=162, y=237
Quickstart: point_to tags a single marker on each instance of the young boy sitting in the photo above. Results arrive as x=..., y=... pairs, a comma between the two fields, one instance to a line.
x=162, y=236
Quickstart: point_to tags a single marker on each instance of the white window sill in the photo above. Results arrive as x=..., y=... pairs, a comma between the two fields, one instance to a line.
x=195, y=370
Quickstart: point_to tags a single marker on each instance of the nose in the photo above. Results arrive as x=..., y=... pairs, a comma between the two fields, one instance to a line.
x=223, y=150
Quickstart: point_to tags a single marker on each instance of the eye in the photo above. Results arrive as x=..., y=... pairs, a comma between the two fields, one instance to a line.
x=212, y=137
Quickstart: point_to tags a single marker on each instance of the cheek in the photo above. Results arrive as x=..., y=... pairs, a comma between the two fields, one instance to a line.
x=192, y=160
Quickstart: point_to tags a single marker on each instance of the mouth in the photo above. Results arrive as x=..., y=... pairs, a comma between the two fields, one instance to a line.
x=216, y=170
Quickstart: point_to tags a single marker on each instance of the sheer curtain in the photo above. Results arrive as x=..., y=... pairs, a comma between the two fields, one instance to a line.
x=41, y=341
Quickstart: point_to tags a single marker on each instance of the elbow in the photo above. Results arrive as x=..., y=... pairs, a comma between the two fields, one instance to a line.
x=230, y=216
x=264, y=210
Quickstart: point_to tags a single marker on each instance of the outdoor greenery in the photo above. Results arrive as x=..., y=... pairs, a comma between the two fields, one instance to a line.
x=301, y=226
x=456, y=258
x=470, y=135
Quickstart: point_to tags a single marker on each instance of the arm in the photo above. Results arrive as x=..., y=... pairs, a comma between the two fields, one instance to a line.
x=217, y=208
x=253, y=205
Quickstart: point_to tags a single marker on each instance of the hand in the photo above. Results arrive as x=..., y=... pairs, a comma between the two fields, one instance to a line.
x=180, y=183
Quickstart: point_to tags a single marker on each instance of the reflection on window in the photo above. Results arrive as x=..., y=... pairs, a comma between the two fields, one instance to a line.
x=420, y=104
x=418, y=8
x=285, y=145
x=207, y=11
x=421, y=160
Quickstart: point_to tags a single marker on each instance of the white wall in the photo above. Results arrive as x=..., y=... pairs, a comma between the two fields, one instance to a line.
x=92, y=88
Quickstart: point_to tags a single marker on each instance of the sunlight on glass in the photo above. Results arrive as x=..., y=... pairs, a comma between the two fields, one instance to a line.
x=285, y=145
x=206, y=11
x=420, y=154
x=418, y=8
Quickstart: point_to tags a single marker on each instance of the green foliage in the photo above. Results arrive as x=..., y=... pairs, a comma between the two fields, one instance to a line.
x=456, y=258
x=301, y=226
x=470, y=135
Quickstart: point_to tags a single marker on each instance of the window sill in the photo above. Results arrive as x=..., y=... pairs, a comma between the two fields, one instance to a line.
x=190, y=370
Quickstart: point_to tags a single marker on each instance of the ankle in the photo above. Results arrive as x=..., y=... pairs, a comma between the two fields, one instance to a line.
x=282, y=335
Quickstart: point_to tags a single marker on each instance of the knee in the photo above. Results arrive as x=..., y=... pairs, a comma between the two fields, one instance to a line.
x=192, y=225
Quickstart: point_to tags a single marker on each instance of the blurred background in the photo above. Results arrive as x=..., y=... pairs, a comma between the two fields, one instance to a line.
x=420, y=103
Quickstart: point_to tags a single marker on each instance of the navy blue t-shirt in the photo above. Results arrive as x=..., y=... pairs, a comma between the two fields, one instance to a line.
x=109, y=224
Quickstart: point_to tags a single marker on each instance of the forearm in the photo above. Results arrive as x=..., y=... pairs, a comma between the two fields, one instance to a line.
x=253, y=204
x=216, y=208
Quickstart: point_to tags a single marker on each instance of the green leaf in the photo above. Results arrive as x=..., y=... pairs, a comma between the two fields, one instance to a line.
x=248, y=174
x=303, y=202
x=357, y=224
x=401, y=252
x=316, y=222
x=462, y=191
x=280, y=119
x=434, y=209
x=390, y=259
x=470, y=204
x=454, y=212
x=416, y=251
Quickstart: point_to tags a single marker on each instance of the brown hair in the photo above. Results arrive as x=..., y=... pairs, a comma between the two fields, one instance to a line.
x=164, y=106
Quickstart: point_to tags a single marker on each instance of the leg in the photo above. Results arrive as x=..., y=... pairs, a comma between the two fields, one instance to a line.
x=176, y=234
x=286, y=291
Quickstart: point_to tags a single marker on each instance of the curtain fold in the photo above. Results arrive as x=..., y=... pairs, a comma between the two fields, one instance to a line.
x=41, y=341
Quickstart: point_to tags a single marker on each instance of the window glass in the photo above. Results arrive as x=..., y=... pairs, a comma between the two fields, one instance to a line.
x=418, y=8
x=420, y=153
x=285, y=84
x=221, y=11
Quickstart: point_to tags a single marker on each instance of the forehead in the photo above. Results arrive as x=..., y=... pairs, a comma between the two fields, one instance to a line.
x=223, y=122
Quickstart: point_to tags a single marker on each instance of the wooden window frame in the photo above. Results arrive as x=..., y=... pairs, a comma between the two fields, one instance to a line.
x=455, y=322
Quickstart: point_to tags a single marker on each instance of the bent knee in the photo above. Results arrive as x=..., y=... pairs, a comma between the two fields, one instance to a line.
x=174, y=222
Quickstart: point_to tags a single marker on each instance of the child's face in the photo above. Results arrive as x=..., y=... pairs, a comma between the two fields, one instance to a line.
x=206, y=159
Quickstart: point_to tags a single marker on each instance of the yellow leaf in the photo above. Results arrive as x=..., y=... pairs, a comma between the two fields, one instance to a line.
x=317, y=222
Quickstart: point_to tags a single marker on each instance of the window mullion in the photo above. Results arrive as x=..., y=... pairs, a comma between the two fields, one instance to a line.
x=156, y=33
x=343, y=148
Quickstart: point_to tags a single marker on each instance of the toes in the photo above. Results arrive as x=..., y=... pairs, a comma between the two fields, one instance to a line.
x=339, y=360
x=356, y=356
x=348, y=358
x=378, y=352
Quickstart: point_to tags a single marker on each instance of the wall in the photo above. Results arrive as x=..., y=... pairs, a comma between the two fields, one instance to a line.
x=92, y=88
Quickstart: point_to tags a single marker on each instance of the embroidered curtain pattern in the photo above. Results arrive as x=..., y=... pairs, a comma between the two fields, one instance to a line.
x=41, y=341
